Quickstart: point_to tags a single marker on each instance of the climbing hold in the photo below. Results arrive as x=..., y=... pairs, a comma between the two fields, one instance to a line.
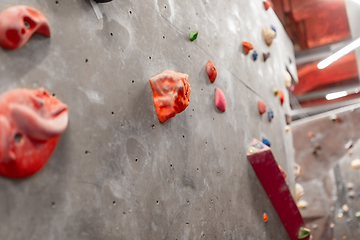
x=262, y=107
x=299, y=191
x=19, y=23
x=193, y=35
x=220, y=100
x=333, y=117
x=211, y=71
x=266, y=142
x=247, y=47
x=355, y=164
x=270, y=115
x=310, y=134
x=102, y=1
x=171, y=94
x=340, y=215
x=267, y=5
x=303, y=233
x=288, y=119
x=287, y=129
x=281, y=96
x=302, y=204
x=253, y=150
x=349, y=144
x=274, y=29
x=255, y=55
x=276, y=92
x=265, y=217
x=31, y=122
x=345, y=208
x=357, y=214
x=350, y=185
x=287, y=79
x=266, y=56
x=268, y=35
x=297, y=170
x=352, y=194
x=282, y=172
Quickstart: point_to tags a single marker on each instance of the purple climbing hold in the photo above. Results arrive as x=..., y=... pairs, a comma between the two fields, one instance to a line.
x=266, y=56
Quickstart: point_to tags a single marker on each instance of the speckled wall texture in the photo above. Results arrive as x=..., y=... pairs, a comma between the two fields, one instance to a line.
x=117, y=172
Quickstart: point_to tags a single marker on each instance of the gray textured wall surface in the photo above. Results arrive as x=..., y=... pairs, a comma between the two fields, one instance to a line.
x=117, y=173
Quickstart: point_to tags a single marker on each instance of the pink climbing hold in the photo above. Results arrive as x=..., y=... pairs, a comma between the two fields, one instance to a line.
x=262, y=107
x=220, y=100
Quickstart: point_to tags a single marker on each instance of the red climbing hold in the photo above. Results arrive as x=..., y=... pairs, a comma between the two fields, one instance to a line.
x=31, y=122
x=211, y=71
x=281, y=96
x=265, y=217
x=171, y=94
x=262, y=107
x=267, y=5
x=220, y=100
x=19, y=23
x=247, y=47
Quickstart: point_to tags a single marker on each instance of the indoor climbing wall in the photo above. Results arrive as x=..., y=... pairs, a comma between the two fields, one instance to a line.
x=117, y=172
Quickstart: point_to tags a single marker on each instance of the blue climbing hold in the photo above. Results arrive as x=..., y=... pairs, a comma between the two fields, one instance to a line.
x=255, y=55
x=266, y=142
x=270, y=115
x=274, y=29
x=258, y=145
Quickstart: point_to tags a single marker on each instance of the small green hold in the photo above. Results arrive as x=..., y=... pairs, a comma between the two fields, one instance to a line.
x=253, y=150
x=357, y=215
x=193, y=35
x=303, y=233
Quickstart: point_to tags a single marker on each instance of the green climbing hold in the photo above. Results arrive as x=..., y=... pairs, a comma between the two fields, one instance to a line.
x=253, y=150
x=303, y=233
x=357, y=215
x=193, y=35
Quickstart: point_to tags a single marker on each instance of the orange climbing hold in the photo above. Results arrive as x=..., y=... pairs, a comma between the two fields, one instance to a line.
x=19, y=23
x=171, y=94
x=267, y=5
x=247, y=47
x=265, y=217
x=281, y=96
x=211, y=71
x=31, y=122
x=262, y=107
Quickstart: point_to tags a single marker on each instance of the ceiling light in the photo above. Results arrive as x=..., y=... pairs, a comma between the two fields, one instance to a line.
x=336, y=95
x=339, y=54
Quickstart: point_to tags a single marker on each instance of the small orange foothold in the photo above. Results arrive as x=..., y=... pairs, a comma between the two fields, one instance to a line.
x=310, y=134
x=211, y=71
x=267, y=5
x=265, y=217
x=281, y=96
x=171, y=94
x=247, y=47
x=262, y=107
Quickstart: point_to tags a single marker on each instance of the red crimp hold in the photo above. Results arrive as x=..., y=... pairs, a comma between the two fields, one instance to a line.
x=171, y=94
x=19, y=23
x=262, y=107
x=268, y=172
x=220, y=100
x=211, y=71
x=31, y=122
x=281, y=96
x=247, y=47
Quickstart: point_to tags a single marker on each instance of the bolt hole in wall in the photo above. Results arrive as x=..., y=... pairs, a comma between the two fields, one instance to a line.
x=86, y=60
x=136, y=159
x=56, y=2
x=53, y=204
x=150, y=57
x=18, y=138
x=130, y=12
x=111, y=34
x=114, y=203
x=112, y=113
x=86, y=152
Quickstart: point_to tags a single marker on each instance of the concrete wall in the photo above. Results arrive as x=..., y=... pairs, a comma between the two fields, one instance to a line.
x=191, y=179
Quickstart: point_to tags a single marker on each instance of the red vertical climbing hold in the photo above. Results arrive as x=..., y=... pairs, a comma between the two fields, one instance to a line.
x=19, y=23
x=211, y=71
x=281, y=96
